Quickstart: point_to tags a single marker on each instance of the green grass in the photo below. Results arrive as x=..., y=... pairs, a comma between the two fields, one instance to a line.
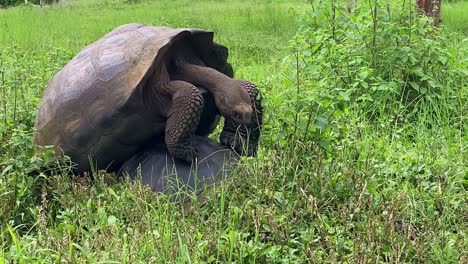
x=391, y=188
x=455, y=16
x=262, y=27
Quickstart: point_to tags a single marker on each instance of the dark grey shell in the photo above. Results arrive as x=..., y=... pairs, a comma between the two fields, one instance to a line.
x=95, y=109
x=162, y=173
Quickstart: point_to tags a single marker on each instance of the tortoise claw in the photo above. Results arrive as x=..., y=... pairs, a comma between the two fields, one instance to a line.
x=187, y=152
x=241, y=144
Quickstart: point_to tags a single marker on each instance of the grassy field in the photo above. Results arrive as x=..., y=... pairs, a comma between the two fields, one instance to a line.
x=455, y=16
x=263, y=27
x=362, y=158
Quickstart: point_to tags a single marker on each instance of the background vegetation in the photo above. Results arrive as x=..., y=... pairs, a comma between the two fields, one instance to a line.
x=363, y=154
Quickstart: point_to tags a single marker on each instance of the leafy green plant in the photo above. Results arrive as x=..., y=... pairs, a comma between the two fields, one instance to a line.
x=382, y=59
x=23, y=74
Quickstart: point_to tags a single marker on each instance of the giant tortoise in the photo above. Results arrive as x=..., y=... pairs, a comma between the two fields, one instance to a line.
x=139, y=82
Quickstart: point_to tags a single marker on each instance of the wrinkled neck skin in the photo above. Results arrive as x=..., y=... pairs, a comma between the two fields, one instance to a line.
x=189, y=67
x=214, y=81
x=231, y=99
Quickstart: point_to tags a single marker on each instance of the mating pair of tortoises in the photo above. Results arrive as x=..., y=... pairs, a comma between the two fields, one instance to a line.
x=138, y=83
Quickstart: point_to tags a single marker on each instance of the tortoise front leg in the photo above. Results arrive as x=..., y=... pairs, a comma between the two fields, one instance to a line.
x=244, y=138
x=183, y=118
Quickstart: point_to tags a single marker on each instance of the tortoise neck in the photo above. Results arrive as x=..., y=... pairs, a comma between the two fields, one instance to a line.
x=211, y=79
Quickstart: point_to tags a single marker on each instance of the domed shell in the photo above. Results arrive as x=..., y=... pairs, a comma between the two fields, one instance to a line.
x=93, y=110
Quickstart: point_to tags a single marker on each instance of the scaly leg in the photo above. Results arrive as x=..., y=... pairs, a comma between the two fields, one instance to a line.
x=183, y=119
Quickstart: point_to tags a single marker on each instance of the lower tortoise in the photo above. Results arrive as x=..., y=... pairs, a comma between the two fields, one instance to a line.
x=139, y=82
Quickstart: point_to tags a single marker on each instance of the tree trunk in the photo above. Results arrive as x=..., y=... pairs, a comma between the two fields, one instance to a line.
x=431, y=8
x=434, y=11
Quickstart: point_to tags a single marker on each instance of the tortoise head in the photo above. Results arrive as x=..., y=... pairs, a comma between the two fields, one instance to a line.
x=235, y=103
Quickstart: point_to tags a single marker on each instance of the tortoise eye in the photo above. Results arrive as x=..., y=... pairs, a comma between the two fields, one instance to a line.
x=237, y=115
